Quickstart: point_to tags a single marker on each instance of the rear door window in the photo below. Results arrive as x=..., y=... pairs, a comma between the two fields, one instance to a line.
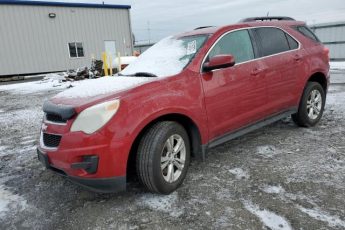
x=272, y=41
x=237, y=43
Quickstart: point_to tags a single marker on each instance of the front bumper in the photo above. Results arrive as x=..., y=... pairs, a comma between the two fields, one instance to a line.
x=102, y=185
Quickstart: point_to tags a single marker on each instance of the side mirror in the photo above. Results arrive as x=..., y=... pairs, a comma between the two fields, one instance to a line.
x=219, y=62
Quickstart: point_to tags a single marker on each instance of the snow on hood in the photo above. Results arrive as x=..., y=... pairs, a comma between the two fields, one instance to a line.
x=102, y=86
x=163, y=59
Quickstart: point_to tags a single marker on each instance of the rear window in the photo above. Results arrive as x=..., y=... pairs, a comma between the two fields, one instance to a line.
x=272, y=40
x=307, y=32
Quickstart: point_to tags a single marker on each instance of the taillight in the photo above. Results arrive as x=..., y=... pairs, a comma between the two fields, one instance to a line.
x=326, y=51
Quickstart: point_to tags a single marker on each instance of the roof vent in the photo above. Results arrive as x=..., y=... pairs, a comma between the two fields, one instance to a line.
x=275, y=18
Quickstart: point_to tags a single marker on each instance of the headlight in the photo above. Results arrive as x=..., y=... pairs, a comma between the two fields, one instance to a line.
x=95, y=117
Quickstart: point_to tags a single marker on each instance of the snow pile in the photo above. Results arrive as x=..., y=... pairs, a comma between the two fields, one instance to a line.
x=163, y=203
x=239, y=173
x=337, y=65
x=9, y=201
x=162, y=59
x=103, y=85
x=269, y=219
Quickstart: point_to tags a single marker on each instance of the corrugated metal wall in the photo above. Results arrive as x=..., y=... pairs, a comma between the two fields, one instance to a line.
x=333, y=36
x=31, y=42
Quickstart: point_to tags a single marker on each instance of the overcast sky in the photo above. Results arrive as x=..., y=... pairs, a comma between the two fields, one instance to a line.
x=170, y=17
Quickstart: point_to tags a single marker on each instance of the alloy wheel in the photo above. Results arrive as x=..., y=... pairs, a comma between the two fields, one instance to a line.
x=314, y=104
x=173, y=158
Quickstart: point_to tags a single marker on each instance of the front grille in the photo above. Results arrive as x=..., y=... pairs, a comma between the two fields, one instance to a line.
x=51, y=140
x=55, y=118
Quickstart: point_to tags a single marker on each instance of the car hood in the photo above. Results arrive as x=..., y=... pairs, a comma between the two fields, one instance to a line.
x=92, y=91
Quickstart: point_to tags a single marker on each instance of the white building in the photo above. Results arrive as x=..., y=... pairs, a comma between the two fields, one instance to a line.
x=333, y=36
x=38, y=37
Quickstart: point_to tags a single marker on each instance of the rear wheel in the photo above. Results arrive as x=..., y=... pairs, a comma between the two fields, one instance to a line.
x=163, y=157
x=311, y=106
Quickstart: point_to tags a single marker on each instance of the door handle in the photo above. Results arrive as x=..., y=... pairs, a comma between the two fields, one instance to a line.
x=297, y=57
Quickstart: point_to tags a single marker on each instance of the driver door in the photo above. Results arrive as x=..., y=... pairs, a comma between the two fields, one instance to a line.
x=234, y=96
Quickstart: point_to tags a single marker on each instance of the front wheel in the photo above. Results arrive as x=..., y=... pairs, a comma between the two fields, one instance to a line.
x=311, y=105
x=163, y=157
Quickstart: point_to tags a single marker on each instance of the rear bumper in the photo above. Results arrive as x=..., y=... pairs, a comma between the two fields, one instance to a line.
x=102, y=185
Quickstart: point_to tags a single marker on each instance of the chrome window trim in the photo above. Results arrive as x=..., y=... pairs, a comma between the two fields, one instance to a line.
x=255, y=59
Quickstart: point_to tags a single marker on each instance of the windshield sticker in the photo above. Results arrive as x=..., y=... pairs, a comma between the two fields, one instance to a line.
x=191, y=47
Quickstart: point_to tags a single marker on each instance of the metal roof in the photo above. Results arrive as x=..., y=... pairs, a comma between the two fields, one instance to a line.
x=63, y=4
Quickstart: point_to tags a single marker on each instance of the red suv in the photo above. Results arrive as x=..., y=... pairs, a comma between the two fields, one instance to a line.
x=186, y=94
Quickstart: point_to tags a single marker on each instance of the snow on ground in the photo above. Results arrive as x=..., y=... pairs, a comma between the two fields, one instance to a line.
x=337, y=65
x=332, y=221
x=267, y=151
x=239, y=173
x=163, y=203
x=336, y=100
x=50, y=82
x=273, y=189
x=268, y=218
x=9, y=201
x=2, y=148
x=316, y=212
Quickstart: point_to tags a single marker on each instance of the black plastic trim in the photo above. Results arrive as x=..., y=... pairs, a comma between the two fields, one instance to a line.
x=100, y=185
x=237, y=133
x=64, y=111
x=89, y=164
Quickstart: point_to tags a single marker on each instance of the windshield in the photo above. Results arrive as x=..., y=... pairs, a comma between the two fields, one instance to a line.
x=167, y=57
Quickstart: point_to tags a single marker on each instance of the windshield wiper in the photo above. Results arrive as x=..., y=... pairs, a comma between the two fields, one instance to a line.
x=144, y=74
x=139, y=74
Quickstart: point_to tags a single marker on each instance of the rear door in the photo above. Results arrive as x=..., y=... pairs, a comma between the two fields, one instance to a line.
x=281, y=56
x=234, y=96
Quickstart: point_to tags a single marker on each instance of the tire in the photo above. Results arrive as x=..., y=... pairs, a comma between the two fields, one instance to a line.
x=310, y=109
x=156, y=158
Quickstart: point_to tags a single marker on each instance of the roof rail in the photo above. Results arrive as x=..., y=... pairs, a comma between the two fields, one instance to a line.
x=273, y=18
x=202, y=27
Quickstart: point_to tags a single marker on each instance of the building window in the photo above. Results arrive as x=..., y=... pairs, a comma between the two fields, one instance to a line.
x=76, y=49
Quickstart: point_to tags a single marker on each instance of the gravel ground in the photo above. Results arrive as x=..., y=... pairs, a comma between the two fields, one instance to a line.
x=279, y=177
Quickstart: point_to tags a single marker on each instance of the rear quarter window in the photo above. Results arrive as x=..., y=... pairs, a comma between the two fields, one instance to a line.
x=304, y=30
